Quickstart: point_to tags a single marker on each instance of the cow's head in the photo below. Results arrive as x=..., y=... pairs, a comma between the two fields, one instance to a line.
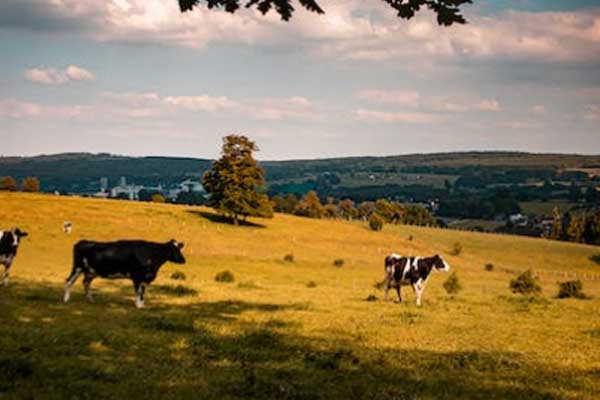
x=17, y=234
x=440, y=264
x=175, y=255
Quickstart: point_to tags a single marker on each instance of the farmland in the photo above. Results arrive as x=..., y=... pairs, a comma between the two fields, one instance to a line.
x=298, y=329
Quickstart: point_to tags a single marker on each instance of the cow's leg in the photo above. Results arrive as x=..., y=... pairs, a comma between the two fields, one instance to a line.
x=386, y=285
x=70, y=281
x=418, y=287
x=87, y=283
x=6, y=273
x=140, y=288
x=398, y=289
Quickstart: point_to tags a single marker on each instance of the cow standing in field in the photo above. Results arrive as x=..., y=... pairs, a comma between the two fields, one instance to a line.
x=130, y=259
x=9, y=243
x=413, y=271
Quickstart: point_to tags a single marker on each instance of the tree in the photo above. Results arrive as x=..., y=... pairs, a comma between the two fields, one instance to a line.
x=557, y=227
x=576, y=228
x=591, y=195
x=575, y=193
x=8, y=183
x=347, y=209
x=310, y=206
x=331, y=210
x=448, y=11
x=30, y=184
x=234, y=181
x=285, y=204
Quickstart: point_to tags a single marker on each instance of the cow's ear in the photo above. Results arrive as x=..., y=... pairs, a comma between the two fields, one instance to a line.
x=23, y=234
x=180, y=245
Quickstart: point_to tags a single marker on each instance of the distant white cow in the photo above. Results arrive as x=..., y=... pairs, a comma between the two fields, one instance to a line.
x=67, y=226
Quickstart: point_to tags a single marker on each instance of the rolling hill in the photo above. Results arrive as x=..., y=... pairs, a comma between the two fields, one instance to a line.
x=81, y=172
x=289, y=330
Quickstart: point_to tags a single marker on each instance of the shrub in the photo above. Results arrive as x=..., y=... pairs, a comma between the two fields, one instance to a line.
x=178, y=276
x=571, y=289
x=456, y=249
x=311, y=284
x=338, y=263
x=178, y=290
x=452, y=284
x=525, y=283
x=371, y=297
x=8, y=183
x=489, y=267
x=375, y=222
x=30, y=184
x=224, y=276
x=289, y=258
x=158, y=198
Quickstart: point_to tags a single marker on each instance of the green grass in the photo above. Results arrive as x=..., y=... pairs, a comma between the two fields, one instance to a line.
x=273, y=335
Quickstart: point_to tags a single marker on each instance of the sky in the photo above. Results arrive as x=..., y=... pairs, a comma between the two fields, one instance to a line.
x=137, y=77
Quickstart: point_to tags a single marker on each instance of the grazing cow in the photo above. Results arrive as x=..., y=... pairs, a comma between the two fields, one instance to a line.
x=132, y=259
x=67, y=226
x=9, y=243
x=413, y=271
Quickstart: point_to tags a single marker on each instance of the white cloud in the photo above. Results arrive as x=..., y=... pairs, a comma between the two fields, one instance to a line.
x=76, y=73
x=200, y=103
x=142, y=105
x=51, y=76
x=48, y=76
x=452, y=104
x=27, y=110
x=413, y=99
x=395, y=117
x=408, y=98
x=350, y=30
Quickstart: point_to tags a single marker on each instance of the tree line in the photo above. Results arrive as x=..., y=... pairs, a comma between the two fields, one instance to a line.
x=388, y=211
x=579, y=227
x=30, y=184
x=236, y=187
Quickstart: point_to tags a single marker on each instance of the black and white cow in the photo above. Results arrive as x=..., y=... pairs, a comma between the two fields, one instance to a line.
x=413, y=271
x=9, y=243
x=131, y=259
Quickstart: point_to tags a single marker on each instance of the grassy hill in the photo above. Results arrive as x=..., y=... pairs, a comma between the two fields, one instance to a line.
x=299, y=330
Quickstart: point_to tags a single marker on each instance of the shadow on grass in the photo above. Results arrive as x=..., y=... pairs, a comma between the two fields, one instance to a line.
x=221, y=219
x=595, y=258
x=205, y=350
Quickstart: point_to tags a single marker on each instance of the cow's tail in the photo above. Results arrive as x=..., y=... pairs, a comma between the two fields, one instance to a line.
x=78, y=262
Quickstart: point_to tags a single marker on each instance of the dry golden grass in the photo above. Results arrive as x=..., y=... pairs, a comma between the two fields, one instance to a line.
x=271, y=333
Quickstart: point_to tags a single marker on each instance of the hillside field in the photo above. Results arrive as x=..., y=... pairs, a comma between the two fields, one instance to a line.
x=289, y=330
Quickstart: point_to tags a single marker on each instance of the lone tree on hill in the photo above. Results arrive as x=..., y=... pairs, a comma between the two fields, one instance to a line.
x=448, y=11
x=234, y=181
x=8, y=183
x=31, y=184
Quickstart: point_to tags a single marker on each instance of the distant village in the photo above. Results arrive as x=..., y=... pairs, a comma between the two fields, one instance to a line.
x=187, y=191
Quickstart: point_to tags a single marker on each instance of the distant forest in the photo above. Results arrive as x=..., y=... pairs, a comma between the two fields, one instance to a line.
x=466, y=185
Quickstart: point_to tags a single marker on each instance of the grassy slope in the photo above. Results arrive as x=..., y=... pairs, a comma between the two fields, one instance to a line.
x=276, y=337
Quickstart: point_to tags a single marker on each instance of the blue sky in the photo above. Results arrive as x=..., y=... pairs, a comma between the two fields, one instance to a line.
x=137, y=77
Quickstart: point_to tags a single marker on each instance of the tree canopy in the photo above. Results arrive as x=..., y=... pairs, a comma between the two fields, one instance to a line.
x=234, y=181
x=448, y=11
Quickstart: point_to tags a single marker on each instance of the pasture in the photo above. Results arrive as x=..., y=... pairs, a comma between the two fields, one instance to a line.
x=298, y=329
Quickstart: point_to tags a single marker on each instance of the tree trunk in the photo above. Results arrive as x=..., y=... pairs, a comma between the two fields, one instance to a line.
x=236, y=222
